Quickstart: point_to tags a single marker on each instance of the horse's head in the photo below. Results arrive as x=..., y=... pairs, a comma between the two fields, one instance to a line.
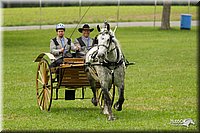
x=104, y=40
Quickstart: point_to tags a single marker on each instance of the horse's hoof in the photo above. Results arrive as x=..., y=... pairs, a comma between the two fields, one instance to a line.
x=117, y=106
x=111, y=118
x=105, y=110
x=94, y=101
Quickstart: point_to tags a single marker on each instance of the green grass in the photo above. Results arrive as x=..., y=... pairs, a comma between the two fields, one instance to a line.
x=162, y=86
x=53, y=15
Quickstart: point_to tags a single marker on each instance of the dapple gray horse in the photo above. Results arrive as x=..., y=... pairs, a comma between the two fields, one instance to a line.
x=108, y=61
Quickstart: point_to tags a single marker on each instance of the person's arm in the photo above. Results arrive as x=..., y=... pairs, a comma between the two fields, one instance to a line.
x=75, y=46
x=54, y=50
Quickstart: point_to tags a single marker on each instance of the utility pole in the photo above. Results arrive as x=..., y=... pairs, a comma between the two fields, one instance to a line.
x=154, y=20
x=40, y=14
x=118, y=4
x=79, y=9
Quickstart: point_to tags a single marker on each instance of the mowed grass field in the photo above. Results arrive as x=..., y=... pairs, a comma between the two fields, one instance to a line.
x=160, y=88
x=67, y=15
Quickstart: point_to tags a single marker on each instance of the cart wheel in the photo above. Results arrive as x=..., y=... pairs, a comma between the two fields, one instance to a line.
x=44, y=85
x=101, y=97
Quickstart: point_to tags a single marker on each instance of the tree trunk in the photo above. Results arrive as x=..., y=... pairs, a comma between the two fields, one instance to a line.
x=165, y=24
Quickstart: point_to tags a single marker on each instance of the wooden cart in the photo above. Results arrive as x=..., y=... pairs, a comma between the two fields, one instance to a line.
x=70, y=76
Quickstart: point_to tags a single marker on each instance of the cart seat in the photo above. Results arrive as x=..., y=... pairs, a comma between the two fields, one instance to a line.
x=72, y=73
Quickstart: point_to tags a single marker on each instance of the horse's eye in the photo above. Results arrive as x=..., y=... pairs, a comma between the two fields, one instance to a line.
x=102, y=38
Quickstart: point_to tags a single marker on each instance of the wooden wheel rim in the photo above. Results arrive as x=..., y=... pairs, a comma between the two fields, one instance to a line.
x=44, y=88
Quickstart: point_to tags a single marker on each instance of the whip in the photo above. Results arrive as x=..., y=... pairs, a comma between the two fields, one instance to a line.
x=79, y=21
x=77, y=26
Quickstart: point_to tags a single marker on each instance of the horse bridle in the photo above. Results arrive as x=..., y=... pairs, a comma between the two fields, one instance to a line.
x=106, y=62
x=109, y=43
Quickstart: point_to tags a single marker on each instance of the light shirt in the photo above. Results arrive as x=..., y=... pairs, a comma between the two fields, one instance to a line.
x=87, y=41
x=63, y=44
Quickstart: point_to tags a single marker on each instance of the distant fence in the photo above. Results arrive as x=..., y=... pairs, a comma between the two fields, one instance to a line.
x=50, y=3
x=48, y=16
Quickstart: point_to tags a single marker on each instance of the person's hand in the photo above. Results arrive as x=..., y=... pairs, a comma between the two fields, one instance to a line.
x=78, y=47
x=62, y=50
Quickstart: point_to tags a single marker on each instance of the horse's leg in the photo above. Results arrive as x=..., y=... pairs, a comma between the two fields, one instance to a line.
x=107, y=107
x=119, y=80
x=105, y=110
x=118, y=104
x=105, y=82
x=93, y=88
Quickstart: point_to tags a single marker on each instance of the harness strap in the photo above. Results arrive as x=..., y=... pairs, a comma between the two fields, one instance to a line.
x=106, y=62
x=56, y=42
x=93, y=56
x=112, y=50
x=113, y=76
x=93, y=73
x=118, y=55
x=81, y=41
x=103, y=46
x=116, y=64
x=95, y=41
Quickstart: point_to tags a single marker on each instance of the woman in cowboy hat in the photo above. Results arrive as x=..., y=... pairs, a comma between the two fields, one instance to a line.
x=85, y=42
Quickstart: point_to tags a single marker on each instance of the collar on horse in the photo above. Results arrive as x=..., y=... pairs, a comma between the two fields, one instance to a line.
x=116, y=64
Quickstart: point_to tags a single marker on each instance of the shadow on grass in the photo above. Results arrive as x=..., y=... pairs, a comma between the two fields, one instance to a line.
x=74, y=109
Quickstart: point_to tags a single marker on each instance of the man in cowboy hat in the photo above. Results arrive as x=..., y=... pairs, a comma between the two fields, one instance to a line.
x=85, y=42
x=60, y=46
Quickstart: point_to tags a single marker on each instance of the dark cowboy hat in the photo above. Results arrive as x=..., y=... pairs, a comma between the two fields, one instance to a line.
x=85, y=27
